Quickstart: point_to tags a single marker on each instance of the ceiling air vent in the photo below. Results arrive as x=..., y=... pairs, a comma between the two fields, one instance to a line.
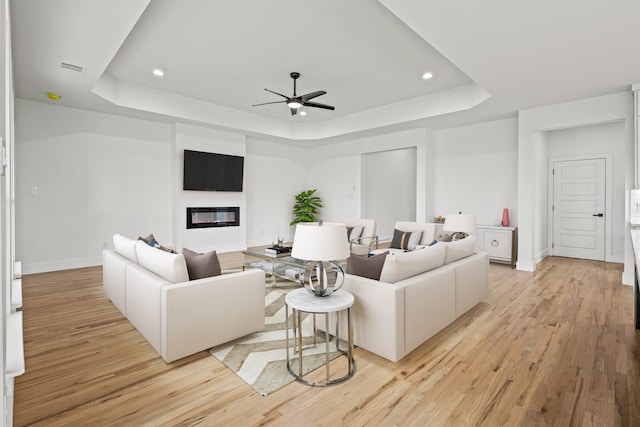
x=72, y=67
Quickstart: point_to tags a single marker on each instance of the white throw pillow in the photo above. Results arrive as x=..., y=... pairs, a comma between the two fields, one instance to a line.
x=355, y=234
x=125, y=247
x=459, y=249
x=401, y=266
x=169, y=266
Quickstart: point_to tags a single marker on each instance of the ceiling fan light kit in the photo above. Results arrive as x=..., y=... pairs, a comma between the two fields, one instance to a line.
x=294, y=102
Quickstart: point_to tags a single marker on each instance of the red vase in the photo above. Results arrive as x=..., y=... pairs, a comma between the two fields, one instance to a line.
x=505, y=217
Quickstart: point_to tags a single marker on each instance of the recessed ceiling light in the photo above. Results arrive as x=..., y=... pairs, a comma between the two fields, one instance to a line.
x=158, y=72
x=427, y=75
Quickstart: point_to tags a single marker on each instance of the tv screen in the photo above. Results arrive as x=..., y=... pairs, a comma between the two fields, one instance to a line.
x=212, y=171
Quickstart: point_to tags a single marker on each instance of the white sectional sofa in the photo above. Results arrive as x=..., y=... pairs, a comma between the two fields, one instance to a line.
x=179, y=317
x=436, y=285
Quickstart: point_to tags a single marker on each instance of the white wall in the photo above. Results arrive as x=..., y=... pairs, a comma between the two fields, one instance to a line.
x=540, y=193
x=533, y=131
x=274, y=174
x=476, y=170
x=597, y=140
x=99, y=174
x=6, y=211
x=74, y=157
x=81, y=177
x=390, y=196
x=336, y=171
x=221, y=239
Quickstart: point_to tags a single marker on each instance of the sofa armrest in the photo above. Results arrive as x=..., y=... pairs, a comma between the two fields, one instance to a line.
x=201, y=314
x=378, y=316
x=371, y=241
x=363, y=245
x=113, y=278
x=472, y=281
x=430, y=300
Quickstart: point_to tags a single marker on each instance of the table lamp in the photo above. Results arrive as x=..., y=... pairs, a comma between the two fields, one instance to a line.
x=460, y=225
x=321, y=243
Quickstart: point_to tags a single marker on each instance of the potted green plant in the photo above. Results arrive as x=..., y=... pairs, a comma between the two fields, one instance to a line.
x=306, y=207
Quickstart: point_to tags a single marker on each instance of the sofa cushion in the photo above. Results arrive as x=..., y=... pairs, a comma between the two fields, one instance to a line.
x=171, y=267
x=404, y=265
x=366, y=266
x=125, y=247
x=201, y=265
x=459, y=249
x=406, y=240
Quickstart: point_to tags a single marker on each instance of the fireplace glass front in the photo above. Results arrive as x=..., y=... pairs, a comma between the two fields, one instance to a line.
x=213, y=217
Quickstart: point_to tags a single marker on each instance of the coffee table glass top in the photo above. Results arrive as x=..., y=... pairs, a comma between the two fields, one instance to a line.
x=260, y=253
x=286, y=267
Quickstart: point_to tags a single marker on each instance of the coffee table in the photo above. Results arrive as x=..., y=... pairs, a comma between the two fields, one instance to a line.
x=286, y=267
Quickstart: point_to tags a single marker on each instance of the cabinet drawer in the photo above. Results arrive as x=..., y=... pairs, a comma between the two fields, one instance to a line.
x=497, y=243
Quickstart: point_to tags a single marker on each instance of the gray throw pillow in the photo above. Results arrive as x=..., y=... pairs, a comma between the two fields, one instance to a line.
x=366, y=266
x=200, y=265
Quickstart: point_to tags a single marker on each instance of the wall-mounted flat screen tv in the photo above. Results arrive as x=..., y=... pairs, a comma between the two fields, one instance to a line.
x=212, y=171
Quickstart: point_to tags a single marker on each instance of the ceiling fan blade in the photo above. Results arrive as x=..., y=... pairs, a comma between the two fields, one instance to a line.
x=294, y=111
x=312, y=95
x=318, y=105
x=284, y=96
x=265, y=103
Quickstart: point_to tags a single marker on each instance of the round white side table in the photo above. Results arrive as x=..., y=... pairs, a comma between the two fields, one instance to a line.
x=302, y=301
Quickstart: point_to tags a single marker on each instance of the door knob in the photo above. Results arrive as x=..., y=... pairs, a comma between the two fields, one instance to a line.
x=599, y=214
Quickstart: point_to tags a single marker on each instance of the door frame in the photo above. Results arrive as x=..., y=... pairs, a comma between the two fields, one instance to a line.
x=608, y=199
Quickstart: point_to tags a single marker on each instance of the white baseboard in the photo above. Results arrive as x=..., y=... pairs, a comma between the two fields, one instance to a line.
x=628, y=277
x=66, y=264
x=525, y=266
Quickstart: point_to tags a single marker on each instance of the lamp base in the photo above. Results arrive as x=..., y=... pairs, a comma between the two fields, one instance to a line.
x=322, y=278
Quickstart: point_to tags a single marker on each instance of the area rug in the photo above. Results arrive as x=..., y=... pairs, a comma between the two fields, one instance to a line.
x=260, y=359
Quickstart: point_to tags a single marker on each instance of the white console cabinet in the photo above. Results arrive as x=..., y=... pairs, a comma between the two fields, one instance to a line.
x=499, y=242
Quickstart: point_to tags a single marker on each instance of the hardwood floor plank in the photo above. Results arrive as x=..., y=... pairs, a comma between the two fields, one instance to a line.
x=554, y=347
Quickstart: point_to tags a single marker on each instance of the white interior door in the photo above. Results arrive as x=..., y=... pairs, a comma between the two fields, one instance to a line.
x=579, y=194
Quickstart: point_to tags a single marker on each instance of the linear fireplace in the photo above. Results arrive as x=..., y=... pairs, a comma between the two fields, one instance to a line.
x=213, y=217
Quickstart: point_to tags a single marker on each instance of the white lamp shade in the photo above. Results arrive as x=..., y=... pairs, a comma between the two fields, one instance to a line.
x=460, y=223
x=326, y=242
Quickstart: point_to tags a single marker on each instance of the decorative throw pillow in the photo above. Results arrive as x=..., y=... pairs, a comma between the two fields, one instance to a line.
x=353, y=233
x=151, y=241
x=366, y=266
x=407, y=240
x=200, y=265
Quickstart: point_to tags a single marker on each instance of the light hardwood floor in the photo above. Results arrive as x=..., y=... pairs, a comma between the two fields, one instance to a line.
x=556, y=347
